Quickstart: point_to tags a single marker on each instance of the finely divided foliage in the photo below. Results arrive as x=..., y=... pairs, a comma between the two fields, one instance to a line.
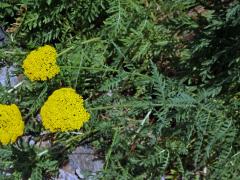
x=160, y=79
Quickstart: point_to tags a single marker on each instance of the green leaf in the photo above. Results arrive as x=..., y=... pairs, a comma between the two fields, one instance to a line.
x=49, y=2
x=36, y=174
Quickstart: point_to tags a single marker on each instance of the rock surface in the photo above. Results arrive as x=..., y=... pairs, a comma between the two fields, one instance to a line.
x=7, y=73
x=83, y=164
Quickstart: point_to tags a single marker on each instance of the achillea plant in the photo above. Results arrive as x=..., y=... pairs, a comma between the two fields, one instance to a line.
x=118, y=53
x=11, y=124
x=40, y=64
x=64, y=111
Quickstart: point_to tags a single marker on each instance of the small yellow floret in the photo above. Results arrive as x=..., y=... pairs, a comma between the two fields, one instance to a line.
x=40, y=64
x=11, y=124
x=64, y=111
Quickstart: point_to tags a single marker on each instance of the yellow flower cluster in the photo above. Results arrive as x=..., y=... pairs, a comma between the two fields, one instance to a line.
x=64, y=111
x=40, y=64
x=11, y=124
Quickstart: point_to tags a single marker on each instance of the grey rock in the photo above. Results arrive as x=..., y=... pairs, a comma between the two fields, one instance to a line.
x=79, y=174
x=64, y=175
x=83, y=158
x=6, y=72
x=82, y=164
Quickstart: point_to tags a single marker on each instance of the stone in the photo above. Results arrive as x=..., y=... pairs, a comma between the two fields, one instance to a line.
x=6, y=72
x=83, y=164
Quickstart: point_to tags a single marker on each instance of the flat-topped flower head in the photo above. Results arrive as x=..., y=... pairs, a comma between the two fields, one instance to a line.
x=64, y=111
x=40, y=64
x=11, y=124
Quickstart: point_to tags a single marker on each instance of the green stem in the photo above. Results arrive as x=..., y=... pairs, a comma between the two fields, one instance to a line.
x=72, y=47
x=107, y=69
x=16, y=86
x=42, y=153
x=78, y=138
x=91, y=68
x=65, y=51
x=61, y=53
x=91, y=40
x=15, y=52
x=124, y=106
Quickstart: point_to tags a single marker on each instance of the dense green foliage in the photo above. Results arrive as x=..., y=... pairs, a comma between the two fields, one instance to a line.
x=160, y=78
